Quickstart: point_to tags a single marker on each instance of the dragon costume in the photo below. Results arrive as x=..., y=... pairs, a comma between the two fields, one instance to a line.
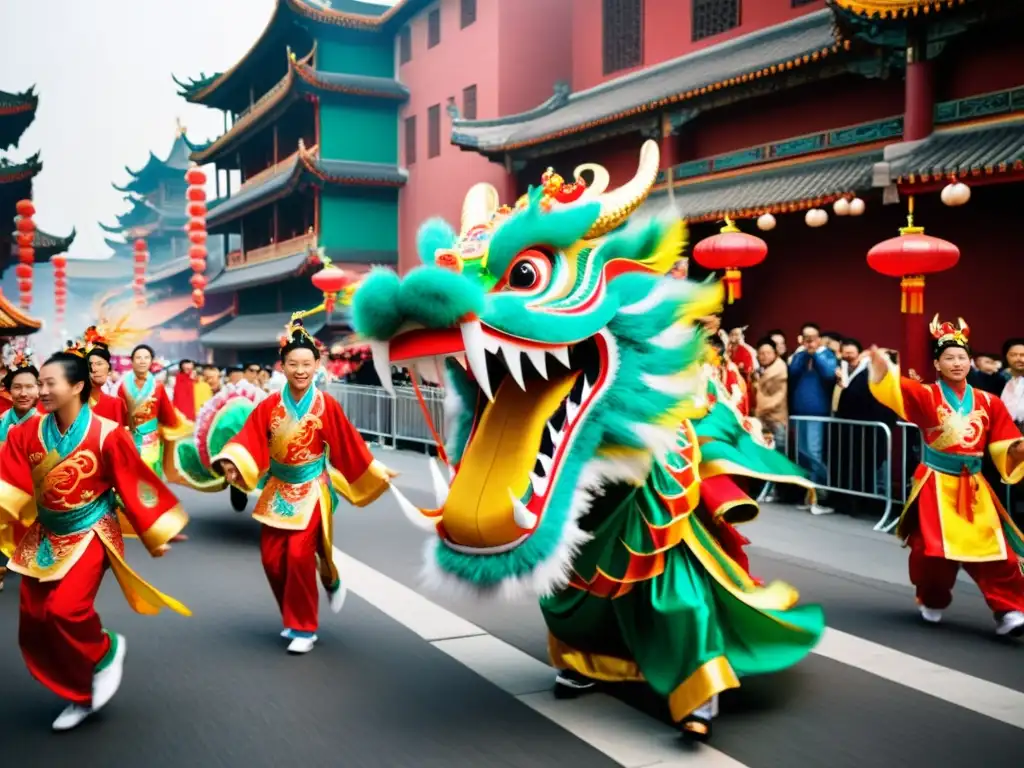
x=573, y=372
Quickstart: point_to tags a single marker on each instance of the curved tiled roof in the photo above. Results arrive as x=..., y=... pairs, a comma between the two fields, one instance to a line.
x=17, y=111
x=965, y=152
x=14, y=172
x=894, y=9
x=14, y=322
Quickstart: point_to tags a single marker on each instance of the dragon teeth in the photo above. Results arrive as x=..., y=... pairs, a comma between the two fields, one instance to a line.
x=571, y=411
x=540, y=484
x=514, y=362
x=561, y=354
x=380, y=351
x=555, y=435
x=475, y=342
x=524, y=518
x=545, y=462
x=537, y=358
x=585, y=392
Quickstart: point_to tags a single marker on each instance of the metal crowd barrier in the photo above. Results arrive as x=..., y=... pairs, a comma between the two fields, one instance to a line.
x=858, y=458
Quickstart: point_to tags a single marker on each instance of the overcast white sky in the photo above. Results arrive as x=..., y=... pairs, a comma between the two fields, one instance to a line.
x=102, y=69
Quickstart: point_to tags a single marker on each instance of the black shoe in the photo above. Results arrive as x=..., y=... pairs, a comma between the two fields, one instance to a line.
x=696, y=729
x=569, y=684
x=239, y=500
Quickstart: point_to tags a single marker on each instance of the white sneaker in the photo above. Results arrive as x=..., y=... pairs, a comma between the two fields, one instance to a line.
x=107, y=681
x=302, y=644
x=931, y=615
x=338, y=598
x=818, y=509
x=803, y=507
x=1012, y=624
x=71, y=717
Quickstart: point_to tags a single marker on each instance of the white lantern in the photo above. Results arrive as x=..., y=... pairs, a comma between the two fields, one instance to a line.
x=766, y=222
x=816, y=218
x=856, y=207
x=955, y=194
x=841, y=207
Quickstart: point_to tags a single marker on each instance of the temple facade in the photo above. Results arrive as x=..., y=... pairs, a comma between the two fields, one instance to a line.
x=17, y=111
x=782, y=106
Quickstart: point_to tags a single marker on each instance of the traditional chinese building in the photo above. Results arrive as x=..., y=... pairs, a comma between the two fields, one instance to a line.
x=156, y=214
x=311, y=125
x=17, y=111
x=782, y=106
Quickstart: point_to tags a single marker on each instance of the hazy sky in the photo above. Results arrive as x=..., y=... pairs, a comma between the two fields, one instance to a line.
x=102, y=69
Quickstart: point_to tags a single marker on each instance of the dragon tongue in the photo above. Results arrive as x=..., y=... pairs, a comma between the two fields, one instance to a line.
x=498, y=460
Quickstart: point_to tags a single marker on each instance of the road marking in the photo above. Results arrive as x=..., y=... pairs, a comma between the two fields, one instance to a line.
x=627, y=736
x=963, y=690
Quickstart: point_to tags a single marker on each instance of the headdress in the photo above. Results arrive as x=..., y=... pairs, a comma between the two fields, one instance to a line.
x=76, y=347
x=296, y=336
x=947, y=335
x=17, y=360
x=96, y=343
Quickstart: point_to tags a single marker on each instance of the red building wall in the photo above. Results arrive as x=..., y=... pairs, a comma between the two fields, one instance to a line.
x=514, y=62
x=821, y=275
x=667, y=32
x=980, y=63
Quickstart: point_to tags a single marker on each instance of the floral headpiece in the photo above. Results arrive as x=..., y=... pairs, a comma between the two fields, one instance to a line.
x=17, y=354
x=21, y=361
x=947, y=335
x=296, y=335
x=76, y=347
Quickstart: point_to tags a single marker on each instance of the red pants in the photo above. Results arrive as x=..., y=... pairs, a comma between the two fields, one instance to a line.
x=289, y=560
x=60, y=634
x=1001, y=582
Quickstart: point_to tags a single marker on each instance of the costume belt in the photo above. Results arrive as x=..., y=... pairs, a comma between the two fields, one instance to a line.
x=956, y=465
x=77, y=520
x=144, y=432
x=298, y=473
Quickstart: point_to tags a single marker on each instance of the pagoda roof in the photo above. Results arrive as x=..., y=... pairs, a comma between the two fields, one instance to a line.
x=156, y=171
x=14, y=322
x=255, y=331
x=886, y=22
x=250, y=275
x=742, y=60
x=226, y=90
x=895, y=9
x=143, y=215
x=783, y=187
x=305, y=166
x=46, y=245
x=17, y=111
x=12, y=173
x=299, y=79
x=973, y=151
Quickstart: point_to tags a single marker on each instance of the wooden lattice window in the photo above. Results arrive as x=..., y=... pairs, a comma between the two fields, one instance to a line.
x=434, y=131
x=467, y=13
x=469, y=103
x=404, y=46
x=434, y=28
x=713, y=17
x=410, y=140
x=622, y=32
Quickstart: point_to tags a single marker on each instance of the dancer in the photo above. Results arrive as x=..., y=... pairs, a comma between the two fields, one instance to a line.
x=153, y=420
x=307, y=429
x=22, y=382
x=97, y=349
x=58, y=475
x=190, y=392
x=953, y=518
x=573, y=472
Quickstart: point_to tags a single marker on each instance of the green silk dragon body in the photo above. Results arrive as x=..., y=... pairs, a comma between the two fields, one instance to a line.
x=575, y=402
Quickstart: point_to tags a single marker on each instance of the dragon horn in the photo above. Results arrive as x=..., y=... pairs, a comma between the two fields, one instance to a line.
x=600, y=183
x=965, y=329
x=479, y=206
x=619, y=204
x=933, y=327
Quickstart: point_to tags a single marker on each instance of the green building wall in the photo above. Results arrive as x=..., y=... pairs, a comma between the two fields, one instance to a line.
x=359, y=219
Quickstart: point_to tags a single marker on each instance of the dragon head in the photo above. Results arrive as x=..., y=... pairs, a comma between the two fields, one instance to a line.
x=569, y=360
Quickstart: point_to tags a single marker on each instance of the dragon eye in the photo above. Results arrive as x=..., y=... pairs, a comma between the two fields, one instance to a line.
x=530, y=271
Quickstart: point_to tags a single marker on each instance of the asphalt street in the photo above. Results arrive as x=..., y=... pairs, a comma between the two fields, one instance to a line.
x=419, y=680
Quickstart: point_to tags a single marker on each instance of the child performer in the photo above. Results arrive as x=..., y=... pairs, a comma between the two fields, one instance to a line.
x=952, y=517
x=22, y=383
x=293, y=435
x=58, y=475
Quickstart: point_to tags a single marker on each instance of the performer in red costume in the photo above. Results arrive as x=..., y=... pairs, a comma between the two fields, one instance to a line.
x=22, y=382
x=190, y=392
x=728, y=375
x=58, y=475
x=953, y=518
x=97, y=349
x=307, y=430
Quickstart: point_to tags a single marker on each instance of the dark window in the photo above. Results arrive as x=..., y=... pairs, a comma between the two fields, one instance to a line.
x=404, y=46
x=434, y=131
x=410, y=140
x=622, y=33
x=798, y=3
x=713, y=17
x=469, y=103
x=468, y=13
x=434, y=28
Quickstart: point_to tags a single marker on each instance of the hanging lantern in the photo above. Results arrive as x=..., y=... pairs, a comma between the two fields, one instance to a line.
x=731, y=250
x=141, y=259
x=816, y=218
x=196, y=229
x=841, y=207
x=331, y=281
x=857, y=207
x=26, y=228
x=60, y=292
x=766, y=222
x=955, y=194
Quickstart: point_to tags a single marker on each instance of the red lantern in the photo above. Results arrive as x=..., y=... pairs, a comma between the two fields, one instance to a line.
x=197, y=252
x=196, y=228
x=198, y=265
x=195, y=176
x=198, y=299
x=331, y=281
x=198, y=237
x=198, y=282
x=23, y=271
x=26, y=255
x=24, y=285
x=26, y=251
x=196, y=224
x=60, y=261
x=25, y=239
x=196, y=209
x=196, y=194
x=25, y=208
x=26, y=298
x=26, y=225
x=60, y=291
x=731, y=250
